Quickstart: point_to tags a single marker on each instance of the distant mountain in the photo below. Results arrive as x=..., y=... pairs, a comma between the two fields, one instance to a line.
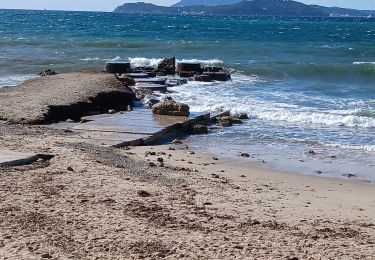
x=183, y=3
x=248, y=8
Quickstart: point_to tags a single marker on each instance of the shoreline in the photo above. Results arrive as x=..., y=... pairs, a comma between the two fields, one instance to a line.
x=105, y=202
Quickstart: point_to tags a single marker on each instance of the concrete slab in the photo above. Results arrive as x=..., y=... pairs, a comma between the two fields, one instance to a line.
x=137, y=127
x=10, y=158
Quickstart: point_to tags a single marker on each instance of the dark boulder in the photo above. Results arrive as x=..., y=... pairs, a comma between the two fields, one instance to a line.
x=47, y=73
x=241, y=116
x=171, y=107
x=167, y=66
x=189, y=66
x=117, y=67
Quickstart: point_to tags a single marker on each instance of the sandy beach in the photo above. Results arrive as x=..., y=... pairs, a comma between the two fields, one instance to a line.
x=92, y=202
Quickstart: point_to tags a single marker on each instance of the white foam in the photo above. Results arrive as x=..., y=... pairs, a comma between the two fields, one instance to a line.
x=101, y=59
x=144, y=62
x=215, y=96
x=203, y=62
x=14, y=80
x=363, y=62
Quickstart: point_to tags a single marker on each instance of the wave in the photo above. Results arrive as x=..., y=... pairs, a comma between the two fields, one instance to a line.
x=363, y=62
x=14, y=80
x=215, y=96
x=152, y=62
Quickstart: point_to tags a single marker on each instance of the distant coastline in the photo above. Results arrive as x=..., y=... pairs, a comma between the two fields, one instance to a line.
x=248, y=8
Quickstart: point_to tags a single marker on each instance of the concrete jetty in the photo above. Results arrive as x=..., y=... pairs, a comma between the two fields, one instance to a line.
x=132, y=128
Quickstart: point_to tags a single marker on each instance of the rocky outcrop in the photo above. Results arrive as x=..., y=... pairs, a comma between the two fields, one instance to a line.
x=167, y=66
x=171, y=107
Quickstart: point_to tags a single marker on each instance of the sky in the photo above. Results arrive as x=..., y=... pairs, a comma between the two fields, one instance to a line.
x=109, y=5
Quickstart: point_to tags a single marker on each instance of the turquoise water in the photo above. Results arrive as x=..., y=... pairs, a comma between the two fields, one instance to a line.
x=306, y=83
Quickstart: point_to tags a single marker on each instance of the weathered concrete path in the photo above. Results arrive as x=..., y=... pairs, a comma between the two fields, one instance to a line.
x=137, y=127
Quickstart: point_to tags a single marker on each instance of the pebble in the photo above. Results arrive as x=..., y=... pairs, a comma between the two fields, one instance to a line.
x=244, y=155
x=70, y=169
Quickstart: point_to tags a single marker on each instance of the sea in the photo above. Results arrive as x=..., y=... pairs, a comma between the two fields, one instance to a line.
x=305, y=83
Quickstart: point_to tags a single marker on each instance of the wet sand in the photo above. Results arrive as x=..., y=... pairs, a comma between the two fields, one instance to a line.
x=90, y=202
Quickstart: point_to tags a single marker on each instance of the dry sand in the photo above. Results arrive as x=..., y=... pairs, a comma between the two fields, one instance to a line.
x=101, y=203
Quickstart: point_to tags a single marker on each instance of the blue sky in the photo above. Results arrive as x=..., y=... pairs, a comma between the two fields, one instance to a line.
x=109, y=5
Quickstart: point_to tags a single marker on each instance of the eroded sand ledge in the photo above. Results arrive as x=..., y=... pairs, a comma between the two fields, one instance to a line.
x=63, y=96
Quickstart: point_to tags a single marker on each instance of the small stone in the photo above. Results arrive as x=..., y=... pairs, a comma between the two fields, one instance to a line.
x=176, y=141
x=70, y=169
x=160, y=160
x=215, y=158
x=216, y=176
x=311, y=152
x=350, y=175
x=151, y=164
x=244, y=155
x=46, y=255
x=143, y=193
x=207, y=203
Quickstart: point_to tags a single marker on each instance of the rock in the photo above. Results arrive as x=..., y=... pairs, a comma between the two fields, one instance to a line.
x=160, y=160
x=70, y=169
x=226, y=121
x=200, y=129
x=244, y=155
x=117, y=67
x=143, y=193
x=151, y=164
x=176, y=141
x=47, y=73
x=215, y=158
x=189, y=66
x=172, y=108
x=167, y=66
x=350, y=175
x=242, y=116
x=46, y=256
x=311, y=152
x=127, y=80
x=318, y=172
x=213, y=69
x=203, y=78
